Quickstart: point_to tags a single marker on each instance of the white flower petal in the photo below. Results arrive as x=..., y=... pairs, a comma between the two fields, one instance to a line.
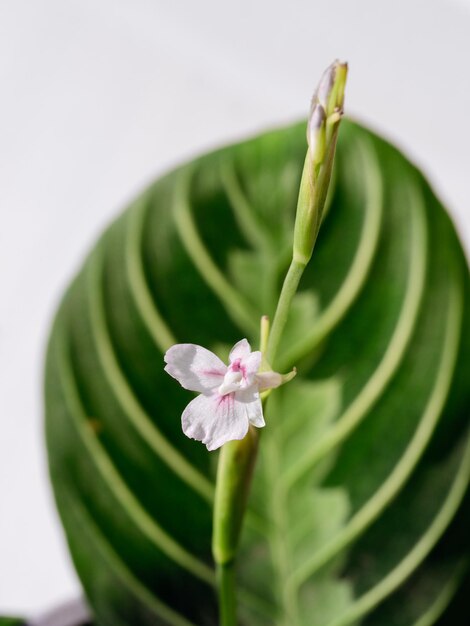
x=215, y=419
x=239, y=350
x=251, y=402
x=251, y=365
x=194, y=367
x=269, y=380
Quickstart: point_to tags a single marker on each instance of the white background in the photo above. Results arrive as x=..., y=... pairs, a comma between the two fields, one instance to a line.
x=99, y=96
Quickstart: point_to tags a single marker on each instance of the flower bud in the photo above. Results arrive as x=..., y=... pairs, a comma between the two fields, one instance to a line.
x=316, y=133
x=322, y=130
x=325, y=86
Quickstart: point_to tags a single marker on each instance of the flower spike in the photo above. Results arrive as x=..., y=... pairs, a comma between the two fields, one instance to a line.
x=326, y=111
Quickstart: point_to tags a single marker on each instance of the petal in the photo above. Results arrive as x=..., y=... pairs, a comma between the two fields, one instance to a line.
x=194, y=367
x=250, y=365
x=239, y=350
x=269, y=380
x=250, y=401
x=214, y=420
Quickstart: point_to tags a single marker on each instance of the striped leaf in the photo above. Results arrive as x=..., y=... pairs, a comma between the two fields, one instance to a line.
x=356, y=514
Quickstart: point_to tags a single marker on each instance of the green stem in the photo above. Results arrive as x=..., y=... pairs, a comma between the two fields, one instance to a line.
x=288, y=292
x=227, y=597
x=234, y=472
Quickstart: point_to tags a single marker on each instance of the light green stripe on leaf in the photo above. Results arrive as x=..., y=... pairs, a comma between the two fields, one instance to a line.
x=239, y=311
x=113, y=479
x=138, y=287
x=124, y=394
x=416, y=556
x=371, y=510
x=443, y=598
x=247, y=220
x=119, y=568
x=399, y=341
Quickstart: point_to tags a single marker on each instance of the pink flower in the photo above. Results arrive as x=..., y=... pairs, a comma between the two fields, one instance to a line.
x=229, y=399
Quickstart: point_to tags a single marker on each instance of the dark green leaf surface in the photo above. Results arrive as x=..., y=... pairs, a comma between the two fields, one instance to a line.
x=356, y=512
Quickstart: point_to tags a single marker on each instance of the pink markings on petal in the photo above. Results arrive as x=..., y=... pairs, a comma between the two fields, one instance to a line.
x=235, y=365
x=194, y=367
x=214, y=420
x=211, y=373
x=244, y=361
x=226, y=400
x=250, y=365
x=229, y=399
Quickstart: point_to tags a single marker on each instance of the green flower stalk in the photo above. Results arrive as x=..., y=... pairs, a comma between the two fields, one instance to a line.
x=238, y=458
x=228, y=412
x=325, y=116
x=235, y=469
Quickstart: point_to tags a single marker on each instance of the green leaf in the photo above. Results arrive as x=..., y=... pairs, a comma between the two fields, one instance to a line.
x=356, y=513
